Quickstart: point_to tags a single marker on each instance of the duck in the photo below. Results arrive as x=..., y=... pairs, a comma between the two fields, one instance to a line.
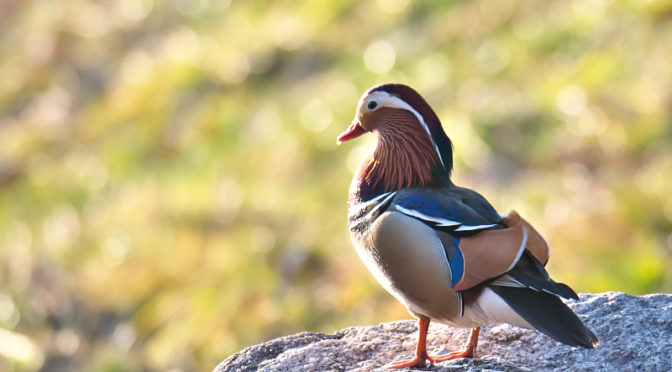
x=443, y=250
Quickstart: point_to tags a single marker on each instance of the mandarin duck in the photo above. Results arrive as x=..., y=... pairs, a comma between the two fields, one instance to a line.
x=440, y=249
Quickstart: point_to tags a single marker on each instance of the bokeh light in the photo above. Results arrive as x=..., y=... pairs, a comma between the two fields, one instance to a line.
x=379, y=57
x=171, y=190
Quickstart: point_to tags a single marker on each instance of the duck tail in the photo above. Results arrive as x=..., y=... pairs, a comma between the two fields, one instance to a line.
x=548, y=314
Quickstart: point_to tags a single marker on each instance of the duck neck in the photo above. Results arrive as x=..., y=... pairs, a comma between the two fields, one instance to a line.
x=404, y=157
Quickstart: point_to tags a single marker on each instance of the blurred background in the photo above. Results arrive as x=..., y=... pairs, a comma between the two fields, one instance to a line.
x=171, y=190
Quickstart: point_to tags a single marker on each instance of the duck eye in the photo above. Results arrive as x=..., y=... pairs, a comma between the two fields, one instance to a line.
x=372, y=105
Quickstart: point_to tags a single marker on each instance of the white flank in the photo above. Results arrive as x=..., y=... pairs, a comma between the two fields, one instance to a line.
x=497, y=310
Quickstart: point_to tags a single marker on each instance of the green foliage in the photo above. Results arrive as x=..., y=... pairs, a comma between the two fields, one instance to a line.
x=171, y=190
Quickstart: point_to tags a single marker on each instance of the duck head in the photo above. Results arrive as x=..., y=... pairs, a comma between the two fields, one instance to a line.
x=412, y=148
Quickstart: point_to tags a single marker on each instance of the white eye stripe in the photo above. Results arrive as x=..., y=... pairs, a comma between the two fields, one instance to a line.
x=385, y=99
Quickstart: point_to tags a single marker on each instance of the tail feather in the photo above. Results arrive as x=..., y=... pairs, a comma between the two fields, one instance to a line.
x=532, y=274
x=548, y=314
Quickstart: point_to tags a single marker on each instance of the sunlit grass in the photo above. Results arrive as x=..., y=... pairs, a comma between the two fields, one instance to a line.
x=171, y=190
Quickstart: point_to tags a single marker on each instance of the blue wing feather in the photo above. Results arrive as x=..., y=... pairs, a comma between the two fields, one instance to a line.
x=459, y=210
x=456, y=264
x=453, y=211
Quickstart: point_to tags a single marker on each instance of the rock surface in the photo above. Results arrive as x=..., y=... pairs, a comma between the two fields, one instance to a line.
x=636, y=335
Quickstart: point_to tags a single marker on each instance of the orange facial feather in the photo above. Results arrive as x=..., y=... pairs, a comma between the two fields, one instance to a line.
x=404, y=156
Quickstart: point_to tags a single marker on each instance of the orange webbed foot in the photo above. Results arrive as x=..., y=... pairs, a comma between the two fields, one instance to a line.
x=415, y=362
x=466, y=353
x=421, y=356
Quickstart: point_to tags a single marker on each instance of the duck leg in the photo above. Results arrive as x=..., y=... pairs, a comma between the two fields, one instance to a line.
x=421, y=350
x=468, y=352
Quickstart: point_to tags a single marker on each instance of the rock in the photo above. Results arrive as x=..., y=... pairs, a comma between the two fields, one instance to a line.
x=636, y=335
